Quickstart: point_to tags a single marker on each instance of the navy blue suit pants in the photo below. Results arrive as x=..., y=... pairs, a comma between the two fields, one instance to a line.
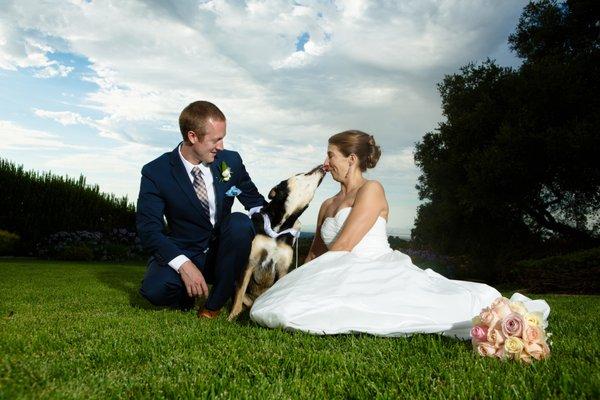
x=227, y=255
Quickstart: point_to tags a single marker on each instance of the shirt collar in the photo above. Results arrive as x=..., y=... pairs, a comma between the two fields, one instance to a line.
x=189, y=166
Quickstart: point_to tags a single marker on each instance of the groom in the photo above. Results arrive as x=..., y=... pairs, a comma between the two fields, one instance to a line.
x=192, y=189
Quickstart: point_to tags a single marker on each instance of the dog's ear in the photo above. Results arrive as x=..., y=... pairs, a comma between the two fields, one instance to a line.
x=278, y=191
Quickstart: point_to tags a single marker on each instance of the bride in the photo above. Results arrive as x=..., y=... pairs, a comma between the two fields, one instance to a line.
x=353, y=281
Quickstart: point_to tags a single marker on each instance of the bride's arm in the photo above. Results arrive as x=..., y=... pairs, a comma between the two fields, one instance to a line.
x=318, y=246
x=369, y=203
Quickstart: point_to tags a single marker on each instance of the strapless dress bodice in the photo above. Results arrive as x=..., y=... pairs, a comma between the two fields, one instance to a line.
x=372, y=245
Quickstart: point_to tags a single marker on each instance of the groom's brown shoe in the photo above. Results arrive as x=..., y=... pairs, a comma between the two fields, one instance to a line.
x=206, y=313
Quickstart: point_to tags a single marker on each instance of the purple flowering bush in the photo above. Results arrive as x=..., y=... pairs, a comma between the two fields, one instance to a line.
x=425, y=258
x=115, y=245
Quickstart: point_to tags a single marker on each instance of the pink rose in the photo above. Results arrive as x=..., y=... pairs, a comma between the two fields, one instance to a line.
x=486, y=349
x=495, y=337
x=499, y=351
x=535, y=350
x=489, y=317
x=479, y=333
x=545, y=350
x=512, y=325
x=532, y=334
x=525, y=357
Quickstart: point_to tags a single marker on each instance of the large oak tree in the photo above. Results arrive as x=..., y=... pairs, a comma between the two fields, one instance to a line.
x=516, y=163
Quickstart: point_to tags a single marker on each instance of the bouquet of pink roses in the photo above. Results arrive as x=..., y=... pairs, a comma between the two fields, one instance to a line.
x=507, y=329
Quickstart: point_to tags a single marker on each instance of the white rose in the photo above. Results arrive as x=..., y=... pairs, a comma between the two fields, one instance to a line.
x=518, y=307
x=226, y=174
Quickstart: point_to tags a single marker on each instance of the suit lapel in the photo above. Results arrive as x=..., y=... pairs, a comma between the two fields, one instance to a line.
x=180, y=174
x=219, y=186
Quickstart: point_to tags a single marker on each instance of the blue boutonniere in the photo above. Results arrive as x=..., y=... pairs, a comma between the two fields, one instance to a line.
x=225, y=171
x=233, y=191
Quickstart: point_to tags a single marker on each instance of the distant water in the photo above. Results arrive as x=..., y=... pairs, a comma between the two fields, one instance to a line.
x=309, y=232
x=401, y=233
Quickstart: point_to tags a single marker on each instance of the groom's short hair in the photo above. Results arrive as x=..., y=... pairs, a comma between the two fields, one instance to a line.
x=195, y=115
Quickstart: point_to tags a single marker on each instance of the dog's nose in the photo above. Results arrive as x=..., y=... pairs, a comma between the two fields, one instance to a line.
x=318, y=168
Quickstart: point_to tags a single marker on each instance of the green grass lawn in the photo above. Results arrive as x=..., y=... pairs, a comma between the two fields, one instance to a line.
x=70, y=330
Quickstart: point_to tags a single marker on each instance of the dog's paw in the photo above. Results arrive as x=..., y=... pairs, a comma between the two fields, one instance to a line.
x=235, y=311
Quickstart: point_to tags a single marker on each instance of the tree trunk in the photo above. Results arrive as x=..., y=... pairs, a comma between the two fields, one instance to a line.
x=545, y=219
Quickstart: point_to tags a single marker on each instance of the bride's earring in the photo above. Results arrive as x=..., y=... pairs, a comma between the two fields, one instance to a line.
x=348, y=170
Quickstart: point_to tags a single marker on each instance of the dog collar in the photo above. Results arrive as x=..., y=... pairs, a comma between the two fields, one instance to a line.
x=267, y=225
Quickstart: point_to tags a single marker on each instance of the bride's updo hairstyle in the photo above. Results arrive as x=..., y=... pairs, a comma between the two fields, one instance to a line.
x=360, y=143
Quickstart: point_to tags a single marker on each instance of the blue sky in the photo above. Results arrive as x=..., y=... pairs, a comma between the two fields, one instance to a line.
x=95, y=88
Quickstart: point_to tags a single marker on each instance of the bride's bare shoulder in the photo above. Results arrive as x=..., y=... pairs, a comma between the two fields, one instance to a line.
x=372, y=196
x=323, y=210
x=372, y=187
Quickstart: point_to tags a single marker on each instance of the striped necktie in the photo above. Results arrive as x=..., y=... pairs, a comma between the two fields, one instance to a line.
x=200, y=189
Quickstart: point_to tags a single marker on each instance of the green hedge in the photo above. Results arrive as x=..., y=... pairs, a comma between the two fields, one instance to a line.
x=35, y=205
x=576, y=272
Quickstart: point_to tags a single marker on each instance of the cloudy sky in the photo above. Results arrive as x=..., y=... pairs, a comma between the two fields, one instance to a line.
x=95, y=87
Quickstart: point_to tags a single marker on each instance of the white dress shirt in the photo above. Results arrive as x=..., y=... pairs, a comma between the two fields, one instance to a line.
x=178, y=261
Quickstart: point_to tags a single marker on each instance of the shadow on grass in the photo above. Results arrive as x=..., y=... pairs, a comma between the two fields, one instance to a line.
x=129, y=282
x=244, y=318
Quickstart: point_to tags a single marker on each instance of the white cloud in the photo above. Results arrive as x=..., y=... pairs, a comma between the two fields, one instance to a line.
x=103, y=127
x=353, y=9
x=402, y=161
x=14, y=136
x=19, y=50
x=63, y=117
x=299, y=59
x=367, y=65
x=53, y=69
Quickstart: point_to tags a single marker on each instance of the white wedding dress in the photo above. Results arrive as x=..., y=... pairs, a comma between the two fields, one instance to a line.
x=373, y=289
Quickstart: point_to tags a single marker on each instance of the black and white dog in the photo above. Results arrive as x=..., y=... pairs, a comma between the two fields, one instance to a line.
x=277, y=228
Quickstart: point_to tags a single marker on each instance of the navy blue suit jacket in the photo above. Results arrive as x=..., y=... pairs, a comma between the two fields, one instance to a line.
x=166, y=192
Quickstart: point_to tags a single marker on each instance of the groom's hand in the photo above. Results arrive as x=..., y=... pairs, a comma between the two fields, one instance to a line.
x=193, y=280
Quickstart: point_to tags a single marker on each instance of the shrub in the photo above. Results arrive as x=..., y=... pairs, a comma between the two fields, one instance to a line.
x=398, y=243
x=116, y=252
x=8, y=242
x=571, y=273
x=39, y=204
x=116, y=245
x=77, y=252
